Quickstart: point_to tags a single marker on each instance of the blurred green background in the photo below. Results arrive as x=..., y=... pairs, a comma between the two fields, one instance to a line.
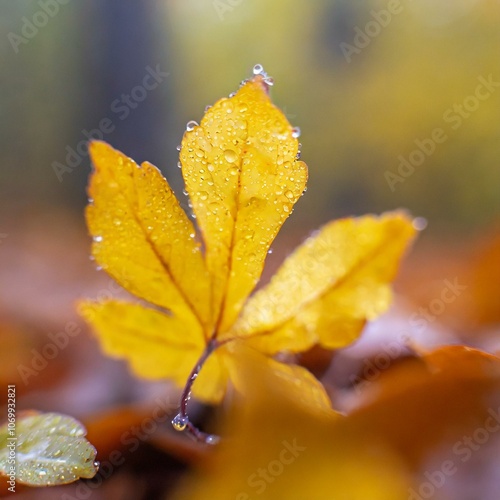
x=366, y=81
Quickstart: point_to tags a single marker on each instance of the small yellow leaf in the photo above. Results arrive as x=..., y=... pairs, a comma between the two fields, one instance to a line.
x=243, y=178
x=156, y=345
x=297, y=382
x=142, y=237
x=329, y=287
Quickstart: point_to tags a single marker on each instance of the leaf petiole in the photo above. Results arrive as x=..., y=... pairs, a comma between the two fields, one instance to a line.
x=181, y=421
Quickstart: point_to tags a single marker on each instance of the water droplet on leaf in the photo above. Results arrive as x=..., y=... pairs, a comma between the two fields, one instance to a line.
x=258, y=69
x=191, y=125
x=179, y=422
x=230, y=155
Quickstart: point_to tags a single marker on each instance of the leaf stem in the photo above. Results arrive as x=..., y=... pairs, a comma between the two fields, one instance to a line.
x=181, y=421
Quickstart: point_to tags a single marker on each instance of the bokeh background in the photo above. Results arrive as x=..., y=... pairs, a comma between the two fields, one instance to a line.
x=361, y=102
x=366, y=86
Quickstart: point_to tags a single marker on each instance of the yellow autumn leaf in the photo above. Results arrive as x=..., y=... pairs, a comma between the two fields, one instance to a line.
x=243, y=176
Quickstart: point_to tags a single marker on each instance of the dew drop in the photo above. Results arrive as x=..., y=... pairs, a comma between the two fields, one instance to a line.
x=289, y=194
x=91, y=200
x=230, y=155
x=179, y=164
x=212, y=439
x=234, y=170
x=270, y=251
x=295, y=132
x=97, y=239
x=207, y=107
x=203, y=196
x=269, y=81
x=232, y=94
x=258, y=69
x=41, y=472
x=179, y=423
x=191, y=125
x=210, y=167
x=178, y=147
x=419, y=223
